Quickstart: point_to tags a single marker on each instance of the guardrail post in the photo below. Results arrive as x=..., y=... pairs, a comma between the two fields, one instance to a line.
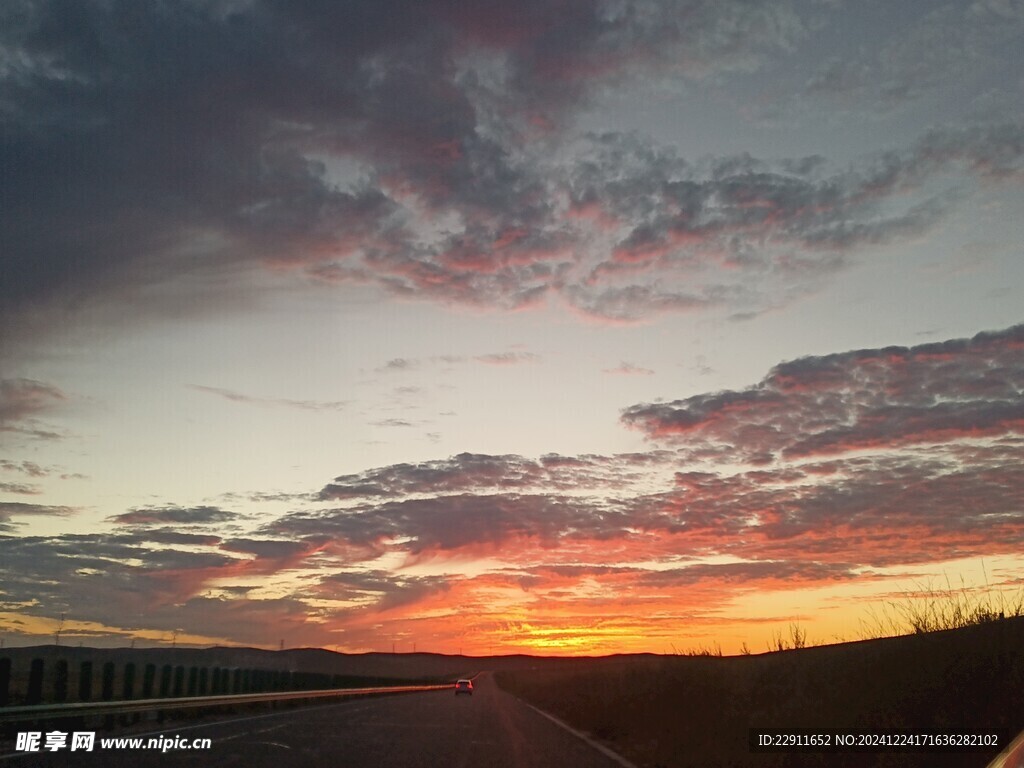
x=128, y=689
x=5, y=682
x=179, y=681
x=34, y=692
x=165, y=681
x=193, y=681
x=85, y=681
x=204, y=675
x=148, y=679
x=60, y=681
x=107, y=689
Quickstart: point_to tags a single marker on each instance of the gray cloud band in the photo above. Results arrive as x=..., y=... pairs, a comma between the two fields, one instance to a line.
x=132, y=162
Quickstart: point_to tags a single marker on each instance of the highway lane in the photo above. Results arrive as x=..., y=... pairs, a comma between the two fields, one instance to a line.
x=489, y=728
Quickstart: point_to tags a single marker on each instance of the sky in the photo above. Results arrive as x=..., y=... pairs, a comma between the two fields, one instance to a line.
x=556, y=326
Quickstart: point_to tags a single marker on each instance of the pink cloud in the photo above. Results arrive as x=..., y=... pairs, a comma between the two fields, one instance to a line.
x=862, y=400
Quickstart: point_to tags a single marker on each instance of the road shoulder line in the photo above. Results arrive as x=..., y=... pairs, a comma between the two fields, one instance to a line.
x=582, y=736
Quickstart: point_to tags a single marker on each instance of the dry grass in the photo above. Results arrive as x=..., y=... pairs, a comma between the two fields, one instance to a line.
x=703, y=650
x=695, y=710
x=930, y=609
x=797, y=639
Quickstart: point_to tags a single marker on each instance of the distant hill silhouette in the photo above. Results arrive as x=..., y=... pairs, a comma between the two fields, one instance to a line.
x=695, y=711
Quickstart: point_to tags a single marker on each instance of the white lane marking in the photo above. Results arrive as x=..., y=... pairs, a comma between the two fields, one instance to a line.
x=582, y=736
x=247, y=719
x=253, y=733
x=273, y=744
x=251, y=718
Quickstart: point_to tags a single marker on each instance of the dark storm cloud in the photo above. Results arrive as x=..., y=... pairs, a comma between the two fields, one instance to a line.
x=866, y=399
x=180, y=515
x=133, y=130
x=148, y=144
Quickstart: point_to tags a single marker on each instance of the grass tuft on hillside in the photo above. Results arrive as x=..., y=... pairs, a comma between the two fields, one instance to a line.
x=683, y=711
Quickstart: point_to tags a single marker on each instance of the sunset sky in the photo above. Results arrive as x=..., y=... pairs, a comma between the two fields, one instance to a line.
x=548, y=326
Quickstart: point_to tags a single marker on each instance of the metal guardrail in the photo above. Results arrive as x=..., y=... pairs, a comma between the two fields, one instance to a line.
x=49, y=711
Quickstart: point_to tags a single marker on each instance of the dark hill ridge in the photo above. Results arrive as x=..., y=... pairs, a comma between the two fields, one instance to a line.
x=65, y=673
x=657, y=710
x=697, y=711
x=404, y=665
x=314, y=660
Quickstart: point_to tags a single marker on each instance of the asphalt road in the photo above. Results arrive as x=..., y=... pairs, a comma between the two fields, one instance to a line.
x=430, y=729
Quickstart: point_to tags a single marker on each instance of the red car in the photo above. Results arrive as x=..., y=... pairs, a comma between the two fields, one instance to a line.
x=464, y=686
